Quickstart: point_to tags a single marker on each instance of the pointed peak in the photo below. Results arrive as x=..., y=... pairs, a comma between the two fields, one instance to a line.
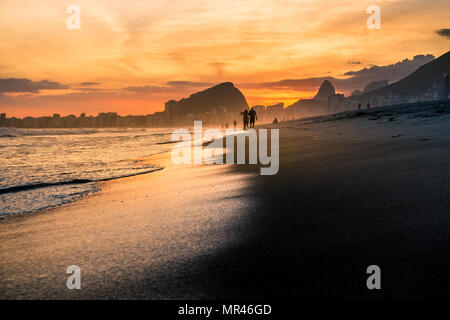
x=326, y=90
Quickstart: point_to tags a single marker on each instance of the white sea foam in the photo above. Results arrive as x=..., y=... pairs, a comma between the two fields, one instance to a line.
x=42, y=168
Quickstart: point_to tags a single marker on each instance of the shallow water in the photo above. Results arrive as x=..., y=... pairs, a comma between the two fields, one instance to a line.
x=42, y=168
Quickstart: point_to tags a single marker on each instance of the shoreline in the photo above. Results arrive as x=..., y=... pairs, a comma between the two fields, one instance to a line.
x=349, y=193
x=345, y=115
x=150, y=160
x=96, y=183
x=94, y=208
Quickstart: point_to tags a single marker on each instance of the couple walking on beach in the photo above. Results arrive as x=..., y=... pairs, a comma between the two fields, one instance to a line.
x=249, y=115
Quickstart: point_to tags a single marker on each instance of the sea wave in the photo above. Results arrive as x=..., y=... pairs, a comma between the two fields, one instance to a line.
x=17, y=132
x=40, y=199
x=72, y=182
x=43, y=168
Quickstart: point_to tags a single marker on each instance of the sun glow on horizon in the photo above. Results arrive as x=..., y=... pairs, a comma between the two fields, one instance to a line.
x=130, y=57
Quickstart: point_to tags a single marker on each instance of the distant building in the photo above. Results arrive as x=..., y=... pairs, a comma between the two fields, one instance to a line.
x=259, y=108
x=107, y=119
x=276, y=108
x=3, y=116
x=171, y=110
x=336, y=103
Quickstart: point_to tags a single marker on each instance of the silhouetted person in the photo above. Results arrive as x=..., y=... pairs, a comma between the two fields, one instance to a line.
x=253, y=117
x=368, y=105
x=275, y=121
x=226, y=125
x=235, y=123
x=359, y=106
x=245, y=118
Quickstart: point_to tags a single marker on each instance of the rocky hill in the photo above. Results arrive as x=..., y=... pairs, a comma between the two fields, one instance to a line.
x=374, y=85
x=224, y=95
x=316, y=106
x=427, y=77
x=325, y=91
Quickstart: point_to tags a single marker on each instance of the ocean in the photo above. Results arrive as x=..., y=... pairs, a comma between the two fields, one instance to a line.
x=44, y=168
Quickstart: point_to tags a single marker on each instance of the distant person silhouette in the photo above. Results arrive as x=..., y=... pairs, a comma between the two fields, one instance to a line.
x=368, y=105
x=253, y=117
x=226, y=125
x=245, y=118
x=235, y=123
x=359, y=106
x=275, y=121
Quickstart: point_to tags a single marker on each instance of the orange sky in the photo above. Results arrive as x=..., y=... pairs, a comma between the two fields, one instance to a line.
x=130, y=50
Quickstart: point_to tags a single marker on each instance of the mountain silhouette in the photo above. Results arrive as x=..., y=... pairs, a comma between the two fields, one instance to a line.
x=316, y=106
x=356, y=93
x=325, y=91
x=420, y=81
x=374, y=85
x=224, y=95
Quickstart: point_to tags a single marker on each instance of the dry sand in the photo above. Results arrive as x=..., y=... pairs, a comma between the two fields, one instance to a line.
x=353, y=190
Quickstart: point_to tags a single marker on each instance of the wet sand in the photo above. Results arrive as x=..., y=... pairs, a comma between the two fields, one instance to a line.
x=351, y=192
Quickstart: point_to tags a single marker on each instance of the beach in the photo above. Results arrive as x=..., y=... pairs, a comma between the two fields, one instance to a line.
x=353, y=190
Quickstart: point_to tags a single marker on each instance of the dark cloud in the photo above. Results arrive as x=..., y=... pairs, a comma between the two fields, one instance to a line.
x=26, y=85
x=356, y=80
x=188, y=84
x=346, y=86
x=171, y=86
x=392, y=72
x=149, y=89
x=444, y=33
x=290, y=84
x=86, y=89
x=89, y=83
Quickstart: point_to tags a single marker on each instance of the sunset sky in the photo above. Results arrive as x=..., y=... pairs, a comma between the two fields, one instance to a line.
x=132, y=56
